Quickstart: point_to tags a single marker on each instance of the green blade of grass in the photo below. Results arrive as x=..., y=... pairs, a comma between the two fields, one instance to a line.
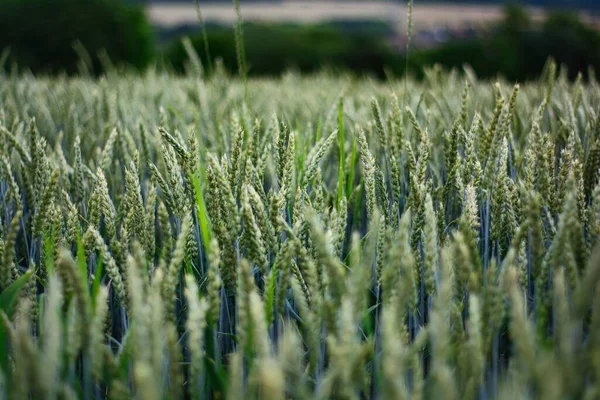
x=9, y=296
x=8, y=299
x=97, y=280
x=353, y=158
x=203, y=218
x=341, y=144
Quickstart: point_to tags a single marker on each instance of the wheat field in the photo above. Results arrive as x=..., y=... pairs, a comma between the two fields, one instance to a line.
x=325, y=237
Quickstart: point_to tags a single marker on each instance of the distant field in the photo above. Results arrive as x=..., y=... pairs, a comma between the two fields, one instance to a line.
x=424, y=16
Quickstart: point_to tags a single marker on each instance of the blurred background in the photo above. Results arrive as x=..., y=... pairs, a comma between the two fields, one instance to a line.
x=495, y=38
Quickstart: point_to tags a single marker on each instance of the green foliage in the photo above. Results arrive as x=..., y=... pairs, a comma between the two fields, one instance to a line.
x=272, y=49
x=60, y=35
x=518, y=49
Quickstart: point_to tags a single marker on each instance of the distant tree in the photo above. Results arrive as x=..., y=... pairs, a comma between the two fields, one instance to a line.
x=516, y=18
x=53, y=35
